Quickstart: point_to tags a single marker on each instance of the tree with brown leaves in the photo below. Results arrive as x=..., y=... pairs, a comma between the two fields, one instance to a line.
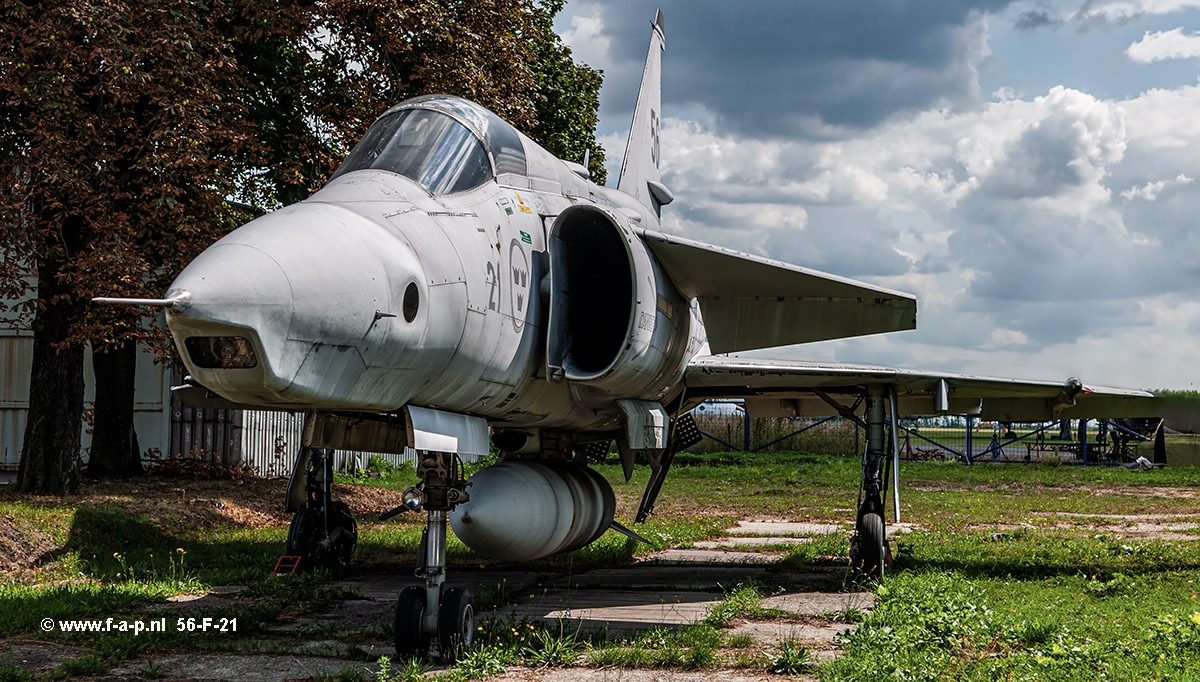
x=133, y=133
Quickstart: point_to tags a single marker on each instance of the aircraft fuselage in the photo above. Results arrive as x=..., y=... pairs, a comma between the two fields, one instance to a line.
x=375, y=293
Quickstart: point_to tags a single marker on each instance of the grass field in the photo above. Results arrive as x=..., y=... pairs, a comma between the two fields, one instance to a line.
x=1011, y=572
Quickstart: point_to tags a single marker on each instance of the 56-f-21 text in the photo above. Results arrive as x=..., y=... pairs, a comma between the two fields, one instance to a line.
x=206, y=624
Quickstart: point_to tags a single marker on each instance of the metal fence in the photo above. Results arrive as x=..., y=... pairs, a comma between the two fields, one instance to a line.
x=954, y=438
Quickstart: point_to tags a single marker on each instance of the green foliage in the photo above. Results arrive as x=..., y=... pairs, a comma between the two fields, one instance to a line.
x=412, y=670
x=11, y=672
x=1107, y=588
x=382, y=474
x=548, y=649
x=743, y=600
x=687, y=647
x=918, y=618
x=1176, y=634
x=347, y=673
x=793, y=659
x=567, y=98
x=90, y=664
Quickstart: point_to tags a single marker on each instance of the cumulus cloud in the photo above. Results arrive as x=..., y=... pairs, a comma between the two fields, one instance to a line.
x=1151, y=190
x=1002, y=219
x=1122, y=12
x=1045, y=234
x=1162, y=45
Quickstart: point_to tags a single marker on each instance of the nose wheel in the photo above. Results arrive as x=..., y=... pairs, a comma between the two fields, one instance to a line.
x=433, y=612
x=456, y=623
x=409, y=631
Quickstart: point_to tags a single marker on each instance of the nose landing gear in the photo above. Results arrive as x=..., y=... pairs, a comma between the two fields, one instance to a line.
x=433, y=612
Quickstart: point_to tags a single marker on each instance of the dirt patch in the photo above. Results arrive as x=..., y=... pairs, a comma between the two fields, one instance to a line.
x=1143, y=491
x=21, y=545
x=170, y=502
x=634, y=675
x=1095, y=489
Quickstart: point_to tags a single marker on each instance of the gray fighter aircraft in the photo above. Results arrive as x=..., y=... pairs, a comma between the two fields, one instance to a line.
x=455, y=280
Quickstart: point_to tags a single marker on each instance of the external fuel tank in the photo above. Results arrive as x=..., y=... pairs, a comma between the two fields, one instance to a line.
x=522, y=510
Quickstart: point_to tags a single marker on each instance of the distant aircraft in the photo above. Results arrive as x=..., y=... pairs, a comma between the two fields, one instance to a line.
x=455, y=277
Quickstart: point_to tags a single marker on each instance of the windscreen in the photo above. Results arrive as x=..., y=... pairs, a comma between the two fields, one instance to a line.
x=427, y=146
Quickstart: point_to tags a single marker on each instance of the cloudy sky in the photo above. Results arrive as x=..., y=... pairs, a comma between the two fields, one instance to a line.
x=1028, y=169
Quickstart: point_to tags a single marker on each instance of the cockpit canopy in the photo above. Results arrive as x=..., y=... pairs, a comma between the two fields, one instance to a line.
x=445, y=143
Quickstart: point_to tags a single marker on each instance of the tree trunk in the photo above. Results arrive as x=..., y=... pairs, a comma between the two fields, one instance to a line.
x=50, y=453
x=114, y=451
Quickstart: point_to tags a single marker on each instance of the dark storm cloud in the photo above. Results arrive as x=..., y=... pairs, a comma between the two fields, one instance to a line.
x=1036, y=19
x=776, y=68
x=1103, y=13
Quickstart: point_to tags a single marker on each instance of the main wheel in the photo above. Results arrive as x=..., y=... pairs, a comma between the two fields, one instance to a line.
x=340, y=517
x=456, y=623
x=302, y=538
x=407, y=631
x=871, y=545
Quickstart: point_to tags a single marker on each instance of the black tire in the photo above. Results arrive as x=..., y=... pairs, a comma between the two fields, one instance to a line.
x=406, y=631
x=872, y=551
x=302, y=537
x=340, y=517
x=456, y=623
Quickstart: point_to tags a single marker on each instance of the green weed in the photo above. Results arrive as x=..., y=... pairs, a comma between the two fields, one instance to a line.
x=547, y=650
x=11, y=672
x=742, y=600
x=90, y=664
x=792, y=659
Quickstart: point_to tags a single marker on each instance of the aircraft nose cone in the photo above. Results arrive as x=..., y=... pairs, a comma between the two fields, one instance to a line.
x=317, y=292
x=233, y=284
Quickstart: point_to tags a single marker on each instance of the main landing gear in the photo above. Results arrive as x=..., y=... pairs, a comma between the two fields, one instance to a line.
x=869, y=551
x=432, y=612
x=323, y=532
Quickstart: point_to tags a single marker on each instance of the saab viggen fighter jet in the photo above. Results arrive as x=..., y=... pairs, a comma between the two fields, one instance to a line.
x=454, y=282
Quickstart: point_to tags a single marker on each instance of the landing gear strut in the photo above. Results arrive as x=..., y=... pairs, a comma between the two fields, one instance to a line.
x=432, y=612
x=869, y=547
x=323, y=532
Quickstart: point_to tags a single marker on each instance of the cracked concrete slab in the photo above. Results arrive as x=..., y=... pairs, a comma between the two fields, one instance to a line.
x=814, y=603
x=709, y=556
x=617, y=611
x=779, y=527
x=748, y=541
x=635, y=675
x=773, y=632
x=39, y=657
x=241, y=667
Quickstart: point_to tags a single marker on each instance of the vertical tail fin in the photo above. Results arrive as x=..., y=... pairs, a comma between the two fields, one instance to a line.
x=640, y=175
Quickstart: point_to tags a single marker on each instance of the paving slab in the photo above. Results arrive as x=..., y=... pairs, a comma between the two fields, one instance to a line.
x=748, y=541
x=38, y=657
x=711, y=556
x=813, y=603
x=617, y=610
x=236, y=667
x=649, y=576
x=774, y=527
x=773, y=632
x=636, y=675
